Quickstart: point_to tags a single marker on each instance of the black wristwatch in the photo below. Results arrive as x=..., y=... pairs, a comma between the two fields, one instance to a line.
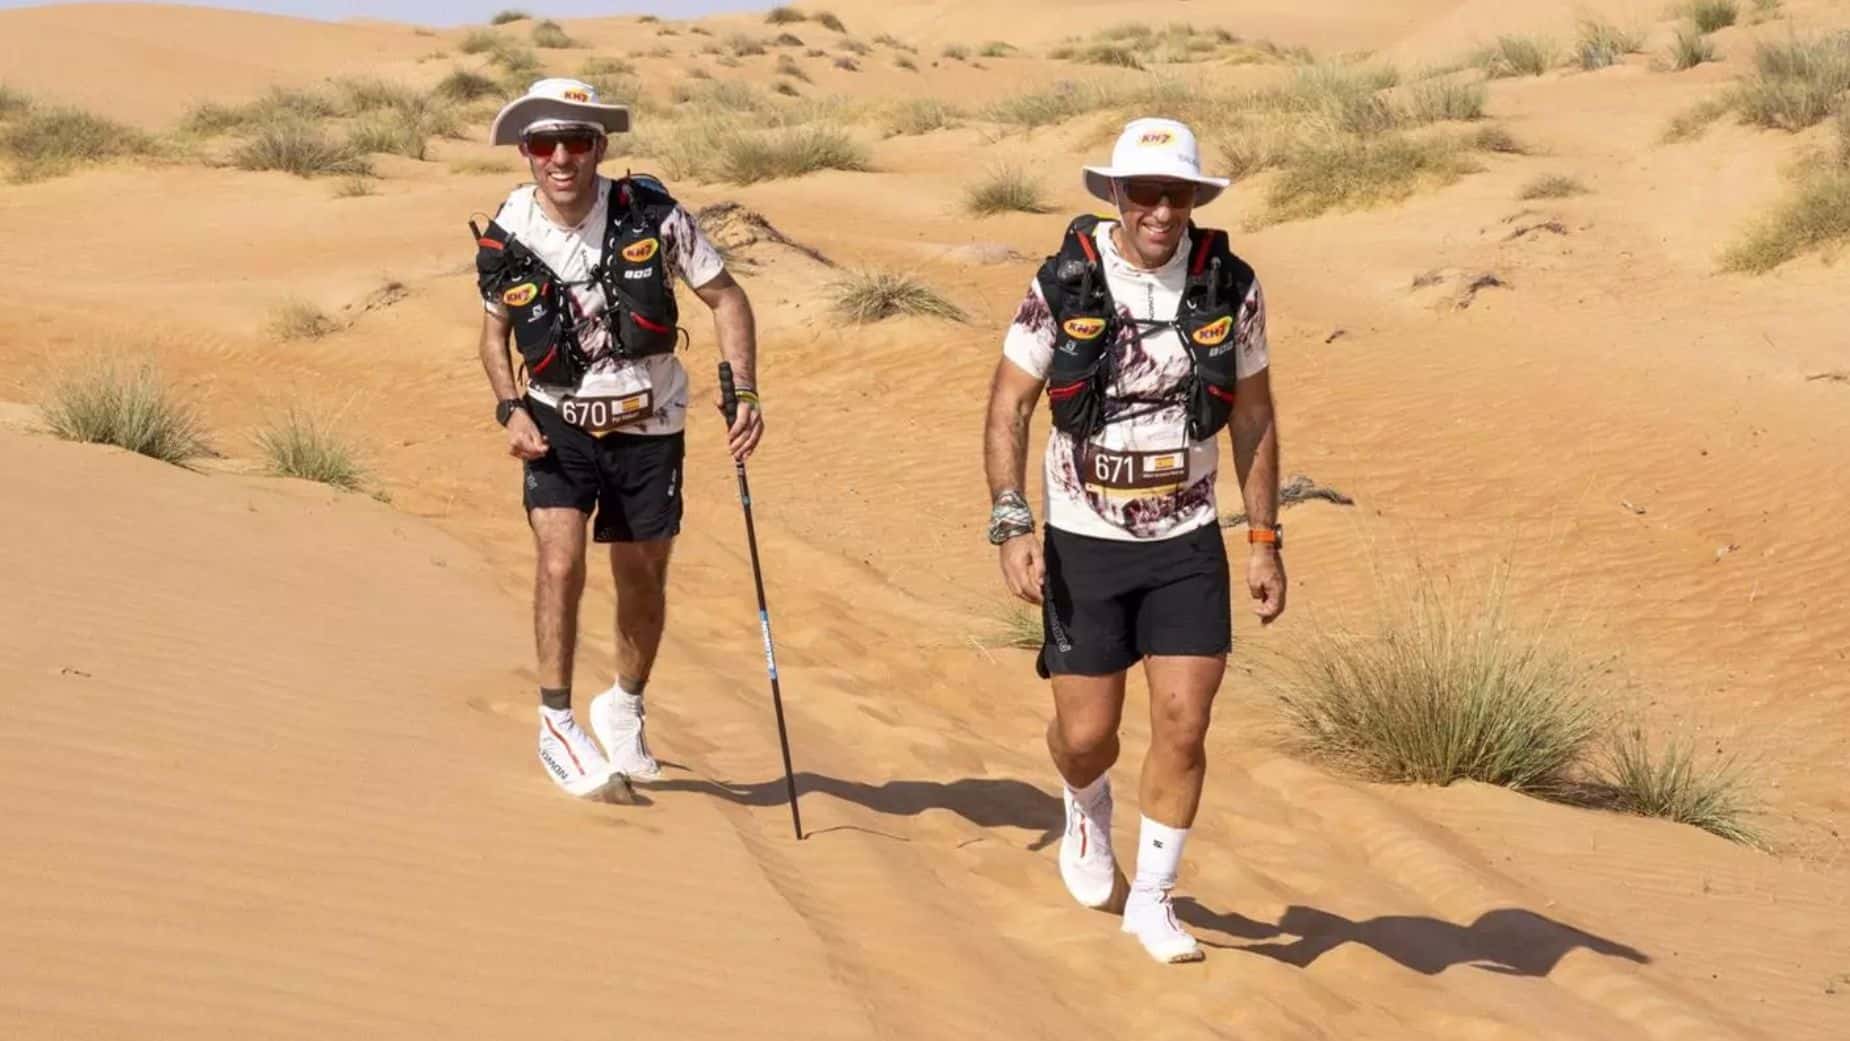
x=504, y=409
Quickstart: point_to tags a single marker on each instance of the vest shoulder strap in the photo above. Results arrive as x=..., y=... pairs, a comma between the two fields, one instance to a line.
x=1075, y=272
x=1211, y=244
x=642, y=194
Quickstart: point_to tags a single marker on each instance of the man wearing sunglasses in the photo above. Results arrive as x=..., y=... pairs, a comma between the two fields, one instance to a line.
x=577, y=268
x=1149, y=337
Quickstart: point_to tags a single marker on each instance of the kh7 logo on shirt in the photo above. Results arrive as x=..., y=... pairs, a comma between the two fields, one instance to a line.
x=641, y=251
x=521, y=295
x=1084, y=328
x=1212, y=334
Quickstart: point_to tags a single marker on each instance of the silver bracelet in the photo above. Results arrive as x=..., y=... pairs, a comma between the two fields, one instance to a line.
x=1009, y=518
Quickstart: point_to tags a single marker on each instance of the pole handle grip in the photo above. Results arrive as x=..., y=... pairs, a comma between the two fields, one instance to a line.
x=728, y=394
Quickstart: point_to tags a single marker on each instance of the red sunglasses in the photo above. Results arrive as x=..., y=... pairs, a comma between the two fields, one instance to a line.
x=543, y=144
x=1150, y=193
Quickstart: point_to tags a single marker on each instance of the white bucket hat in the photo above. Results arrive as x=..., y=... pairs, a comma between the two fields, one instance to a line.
x=1155, y=148
x=556, y=102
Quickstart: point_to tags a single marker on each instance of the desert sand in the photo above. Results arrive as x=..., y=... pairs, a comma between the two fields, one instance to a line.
x=268, y=765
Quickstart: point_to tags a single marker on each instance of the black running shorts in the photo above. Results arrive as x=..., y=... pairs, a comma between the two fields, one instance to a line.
x=632, y=481
x=1108, y=603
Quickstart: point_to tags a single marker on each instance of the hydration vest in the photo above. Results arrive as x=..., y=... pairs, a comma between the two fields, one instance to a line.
x=639, y=311
x=1087, y=322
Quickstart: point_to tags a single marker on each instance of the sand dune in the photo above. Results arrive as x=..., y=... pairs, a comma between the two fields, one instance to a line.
x=267, y=761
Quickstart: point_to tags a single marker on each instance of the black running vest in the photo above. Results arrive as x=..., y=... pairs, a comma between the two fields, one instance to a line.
x=639, y=297
x=1087, y=321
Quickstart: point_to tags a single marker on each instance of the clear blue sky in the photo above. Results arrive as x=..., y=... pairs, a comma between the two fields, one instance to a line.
x=460, y=12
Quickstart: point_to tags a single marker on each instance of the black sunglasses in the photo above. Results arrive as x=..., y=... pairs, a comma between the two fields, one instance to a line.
x=542, y=144
x=1150, y=193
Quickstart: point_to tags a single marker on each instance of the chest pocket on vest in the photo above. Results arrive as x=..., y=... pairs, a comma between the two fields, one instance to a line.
x=536, y=306
x=1208, y=320
x=1073, y=284
x=644, y=316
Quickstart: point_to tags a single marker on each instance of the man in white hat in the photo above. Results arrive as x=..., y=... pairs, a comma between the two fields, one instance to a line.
x=1149, y=337
x=577, y=269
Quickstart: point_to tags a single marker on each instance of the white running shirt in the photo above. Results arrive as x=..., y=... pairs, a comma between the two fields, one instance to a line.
x=572, y=253
x=1148, y=369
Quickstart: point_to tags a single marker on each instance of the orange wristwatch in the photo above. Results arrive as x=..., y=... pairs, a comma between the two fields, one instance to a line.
x=1273, y=536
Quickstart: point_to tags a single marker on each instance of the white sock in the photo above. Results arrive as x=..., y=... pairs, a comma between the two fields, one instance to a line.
x=1088, y=796
x=560, y=717
x=1159, y=857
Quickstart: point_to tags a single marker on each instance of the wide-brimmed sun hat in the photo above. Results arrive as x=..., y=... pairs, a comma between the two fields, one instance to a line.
x=556, y=102
x=1155, y=148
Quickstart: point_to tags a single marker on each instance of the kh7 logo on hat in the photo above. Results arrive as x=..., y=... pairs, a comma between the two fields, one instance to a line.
x=1156, y=139
x=577, y=95
x=1212, y=334
x=1084, y=328
x=641, y=251
x=521, y=295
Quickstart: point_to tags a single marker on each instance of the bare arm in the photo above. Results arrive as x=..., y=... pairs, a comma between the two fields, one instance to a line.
x=493, y=349
x=737, y=330
x=1012, y=396
x=734, y=324
x=1254, y=431
x=1255, y=448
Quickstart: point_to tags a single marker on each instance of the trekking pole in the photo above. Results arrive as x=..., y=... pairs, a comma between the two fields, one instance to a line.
x=729, y=401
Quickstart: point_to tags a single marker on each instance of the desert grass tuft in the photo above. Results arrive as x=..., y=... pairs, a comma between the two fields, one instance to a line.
x=355, y=188
x=298, y=444
x=829, y=21
x=1691, y=122
x=300, y=320
x=749, y=158
x=1602, y=44
x=996, y=49
x=1711, y=15
x=1552, y=186
x=847, y=63
x=467, y=85
x=13, y=102
x=1350, y=172
x=1432, y=101
x=922, y=116
x=299, y=148
x=1005, y=189
x=956, y=52
x=1519, y=56
x=479, y=41
x=44, y=142
x=783, y=14
x=1675, y=784
x=1444, y=686
x=1797, y=83
x=906, y=63
x=744, y=46
x=1690, y=49
x=1816, y=216
x=504, y=17
x=1111, y=54
x=110, y=404
x=787, y=66
x=889, y=40
x=552, y=36
x=873, y=296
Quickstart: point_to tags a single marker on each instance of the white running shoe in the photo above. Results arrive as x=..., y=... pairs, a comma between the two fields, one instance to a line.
x=572, y=759
x=1086, y=863
x=616, y=718
x=1151, y=918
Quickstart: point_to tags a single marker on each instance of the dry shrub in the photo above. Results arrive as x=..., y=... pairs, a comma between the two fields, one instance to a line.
x=44, y=142
x=299, y=148
x=1711, y=15
x=1005, y=189
x=1797, y=83
x=922, y=116
x=1690, y=49
x=504, y=17
x=300, y=320
x=298, y=444
x=130, y=408
x=1348, y=172
x=1518, y=56
x=551, y=35
x=1552, y=186
x=1675, y=784
x=1602, y=44
x=829, y=21
x=1816, y=216
x=1444, y=686
x=784, y=15
x=467, y=85
x=872, y=296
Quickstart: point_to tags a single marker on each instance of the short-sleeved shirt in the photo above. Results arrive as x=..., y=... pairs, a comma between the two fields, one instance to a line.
x=1151, y=367
x=572, y=253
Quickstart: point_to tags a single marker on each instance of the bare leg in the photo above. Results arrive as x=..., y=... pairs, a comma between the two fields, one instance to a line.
x=640, y=570
x=559, y=581
x=1083, y=735
x=1182, y=693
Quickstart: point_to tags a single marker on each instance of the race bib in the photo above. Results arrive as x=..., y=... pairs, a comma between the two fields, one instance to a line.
x=609, y=401
x=1132, y=474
